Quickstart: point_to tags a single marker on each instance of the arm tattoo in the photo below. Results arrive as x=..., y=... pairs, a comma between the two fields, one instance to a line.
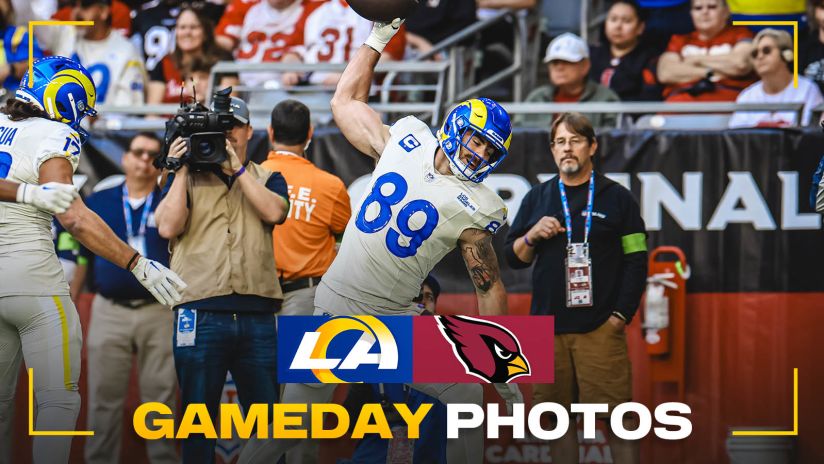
x=482, y=263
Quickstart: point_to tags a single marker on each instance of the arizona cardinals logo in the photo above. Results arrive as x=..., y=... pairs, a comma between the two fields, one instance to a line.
x=487, y=350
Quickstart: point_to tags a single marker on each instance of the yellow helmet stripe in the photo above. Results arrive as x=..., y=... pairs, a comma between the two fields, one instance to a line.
x=477, y=113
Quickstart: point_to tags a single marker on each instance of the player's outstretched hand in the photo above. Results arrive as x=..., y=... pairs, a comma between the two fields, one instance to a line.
x=511, y=393
x=382, y=33
x=52, y=197
x=159, y=280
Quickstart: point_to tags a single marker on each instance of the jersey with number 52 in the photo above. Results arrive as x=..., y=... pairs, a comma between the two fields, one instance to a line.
x=26, y=247
x=409, y=218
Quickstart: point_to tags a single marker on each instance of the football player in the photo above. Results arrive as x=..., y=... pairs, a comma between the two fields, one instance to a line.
x=426, y=197
x=40, y=141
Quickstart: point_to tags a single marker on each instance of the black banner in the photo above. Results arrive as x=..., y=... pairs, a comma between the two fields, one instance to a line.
x=736, y=201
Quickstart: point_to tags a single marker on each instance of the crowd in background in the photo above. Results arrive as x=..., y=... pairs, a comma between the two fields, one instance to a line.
x=647, y=50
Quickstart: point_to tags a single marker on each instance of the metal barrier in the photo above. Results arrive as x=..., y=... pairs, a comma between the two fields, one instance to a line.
x=621, y=108
x=514, y=108
x=413, y=67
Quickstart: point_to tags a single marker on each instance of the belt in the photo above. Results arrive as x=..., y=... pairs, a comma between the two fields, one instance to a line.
x=134, y=304
x=287, y=286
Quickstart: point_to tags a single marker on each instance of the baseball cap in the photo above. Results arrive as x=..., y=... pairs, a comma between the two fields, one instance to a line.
x=433, y=284
x=240, y=110
x=567, y=47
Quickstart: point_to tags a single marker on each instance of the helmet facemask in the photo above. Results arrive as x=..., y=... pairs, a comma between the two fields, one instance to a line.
x=476, y=168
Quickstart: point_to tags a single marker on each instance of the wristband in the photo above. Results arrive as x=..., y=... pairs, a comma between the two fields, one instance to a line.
x=21, y=193
x=129, y=264
x=239, y=172
x=526, y=240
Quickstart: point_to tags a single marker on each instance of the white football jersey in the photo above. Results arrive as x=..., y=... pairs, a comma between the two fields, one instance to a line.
x=116, y=67
x=409, y=218
x=27, y=257
x=332, y=34
x=267, y=34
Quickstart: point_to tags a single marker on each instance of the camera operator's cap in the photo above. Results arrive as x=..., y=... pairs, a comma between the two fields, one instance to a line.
x=567, y=47
x=239, y=110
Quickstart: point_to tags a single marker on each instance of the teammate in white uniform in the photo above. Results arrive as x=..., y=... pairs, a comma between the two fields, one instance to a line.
x=425, y=198
x=40, y=143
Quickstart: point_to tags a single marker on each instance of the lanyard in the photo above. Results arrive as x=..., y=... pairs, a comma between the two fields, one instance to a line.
x=568, y=217
x=127, y=214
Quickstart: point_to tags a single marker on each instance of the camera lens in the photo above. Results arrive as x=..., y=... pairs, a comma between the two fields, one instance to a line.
x=206, y=148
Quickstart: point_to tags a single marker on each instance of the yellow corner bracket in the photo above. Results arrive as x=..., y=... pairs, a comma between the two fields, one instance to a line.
x=794, y=24
x=31, y=39
x=777, y=433
x=48, y=433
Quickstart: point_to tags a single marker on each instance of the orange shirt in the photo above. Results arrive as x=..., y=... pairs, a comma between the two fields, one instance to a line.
x=319, y=208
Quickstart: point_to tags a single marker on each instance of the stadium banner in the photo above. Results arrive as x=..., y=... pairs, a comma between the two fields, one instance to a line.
x=735, y=201
x=401, y=349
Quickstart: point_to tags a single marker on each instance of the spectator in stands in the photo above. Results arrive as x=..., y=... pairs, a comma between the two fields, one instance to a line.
x=305, y=244
x=331, y=34
x=498, y=40
x=125, y=317
x=269, y=29
x=195, y=50
x=663, y=19
x=773, y=57
x=710, y=64
x=227, y=34
x=154, y=27
x=154, y=31
x=113, y=62
x=811, y=50
x=568, y=62
x=14, y=56
x=434, y=21
x=623, y=63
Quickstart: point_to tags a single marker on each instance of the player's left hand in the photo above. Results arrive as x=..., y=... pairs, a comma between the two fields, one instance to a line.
x=159, y=280
x=382, y=33
x=53, y=197
x=511, y=393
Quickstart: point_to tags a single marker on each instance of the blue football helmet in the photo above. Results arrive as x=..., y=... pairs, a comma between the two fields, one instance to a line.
x=485, y=118
x=62, y=88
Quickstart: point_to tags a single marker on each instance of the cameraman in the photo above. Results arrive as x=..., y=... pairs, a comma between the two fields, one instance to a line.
x=219, y=221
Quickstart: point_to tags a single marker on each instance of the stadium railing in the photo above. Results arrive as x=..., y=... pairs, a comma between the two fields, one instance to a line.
x=115, y=120
x=694, y=110
x=460, y=83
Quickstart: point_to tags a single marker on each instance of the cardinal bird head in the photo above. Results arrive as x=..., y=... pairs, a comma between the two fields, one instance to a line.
x=486, y=349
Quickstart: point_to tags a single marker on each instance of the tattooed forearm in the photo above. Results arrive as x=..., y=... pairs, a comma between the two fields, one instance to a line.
x=482, y=263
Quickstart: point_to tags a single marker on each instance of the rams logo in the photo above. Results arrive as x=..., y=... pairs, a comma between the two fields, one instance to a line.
x=487, y=350
x=313, y=351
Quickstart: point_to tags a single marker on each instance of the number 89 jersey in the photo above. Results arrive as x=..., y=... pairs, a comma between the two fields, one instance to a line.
x=409, y=218
x=26, y=247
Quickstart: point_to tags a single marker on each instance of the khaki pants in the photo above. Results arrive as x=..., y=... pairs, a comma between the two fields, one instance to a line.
x=592, y=367
x=115, y=334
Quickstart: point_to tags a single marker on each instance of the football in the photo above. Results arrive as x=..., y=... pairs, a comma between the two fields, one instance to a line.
x=383, y=10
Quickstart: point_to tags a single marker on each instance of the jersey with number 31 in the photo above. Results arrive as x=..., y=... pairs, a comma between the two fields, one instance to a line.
x=409, y=218
x=26, y=247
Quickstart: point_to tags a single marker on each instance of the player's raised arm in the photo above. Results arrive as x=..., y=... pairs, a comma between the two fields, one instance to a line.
x=482, y=264
x=360, y=124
